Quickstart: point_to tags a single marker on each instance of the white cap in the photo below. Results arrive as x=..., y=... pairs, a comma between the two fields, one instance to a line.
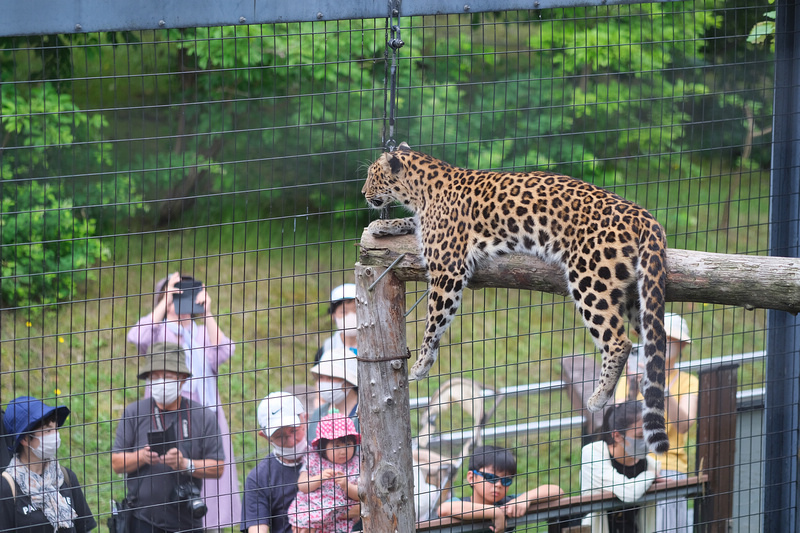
x=342, y=292
x=277, y=410
x=338, y=363
x=676, y=328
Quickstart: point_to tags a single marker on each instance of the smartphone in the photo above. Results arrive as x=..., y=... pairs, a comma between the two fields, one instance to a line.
x=162, y=441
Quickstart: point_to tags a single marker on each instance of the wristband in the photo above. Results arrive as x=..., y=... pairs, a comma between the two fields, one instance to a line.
x=191, y=468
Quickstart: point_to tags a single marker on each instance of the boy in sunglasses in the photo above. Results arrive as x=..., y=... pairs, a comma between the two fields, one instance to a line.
x=491, y=474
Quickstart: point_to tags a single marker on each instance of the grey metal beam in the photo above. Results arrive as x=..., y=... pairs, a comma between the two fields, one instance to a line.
x=34, y=17
x=782, y=413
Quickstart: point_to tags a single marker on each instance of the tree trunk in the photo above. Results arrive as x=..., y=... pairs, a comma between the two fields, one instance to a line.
x=386, y=485
x=748, y=281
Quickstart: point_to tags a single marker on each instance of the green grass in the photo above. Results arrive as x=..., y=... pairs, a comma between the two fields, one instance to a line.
x=270, y=280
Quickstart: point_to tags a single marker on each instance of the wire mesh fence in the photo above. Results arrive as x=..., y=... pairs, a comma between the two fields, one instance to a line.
x=236, y=155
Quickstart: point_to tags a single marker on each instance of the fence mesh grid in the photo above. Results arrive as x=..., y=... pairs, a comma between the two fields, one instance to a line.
x=236, y=155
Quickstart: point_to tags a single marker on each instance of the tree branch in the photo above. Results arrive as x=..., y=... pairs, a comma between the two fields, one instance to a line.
x=749, y=281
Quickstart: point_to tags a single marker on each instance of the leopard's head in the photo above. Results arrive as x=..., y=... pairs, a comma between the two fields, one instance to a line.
x=383, y=179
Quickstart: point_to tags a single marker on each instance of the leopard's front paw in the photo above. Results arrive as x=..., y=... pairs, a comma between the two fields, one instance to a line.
x=379, y=228
x=421, y=368
x=597, y=400
x=388, y=228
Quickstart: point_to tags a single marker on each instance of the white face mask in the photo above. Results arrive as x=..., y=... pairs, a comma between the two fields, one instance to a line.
x=48, y=446
x=165, y=391
x=292, y=452
x=329, y=394
x=348, y=325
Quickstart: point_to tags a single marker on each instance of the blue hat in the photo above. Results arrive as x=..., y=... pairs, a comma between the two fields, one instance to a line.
x=23, y=414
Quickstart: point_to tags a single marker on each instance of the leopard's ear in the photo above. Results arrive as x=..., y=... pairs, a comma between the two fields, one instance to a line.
x=394, y=163
x=404, y=147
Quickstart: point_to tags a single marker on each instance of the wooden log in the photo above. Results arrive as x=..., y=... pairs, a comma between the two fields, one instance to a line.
x=749, y=281
x=386, y=484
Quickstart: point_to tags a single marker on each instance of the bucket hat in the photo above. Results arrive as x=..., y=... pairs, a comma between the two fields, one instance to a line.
x=23, y=414
x=335, y=426
x=676, y=328
x=166, y=356
x=277, y=410
x=338, y=363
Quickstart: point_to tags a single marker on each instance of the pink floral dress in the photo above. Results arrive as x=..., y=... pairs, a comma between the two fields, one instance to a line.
x=325, y=509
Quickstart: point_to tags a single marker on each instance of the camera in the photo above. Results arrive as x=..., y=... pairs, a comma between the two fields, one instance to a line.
x=188, y=493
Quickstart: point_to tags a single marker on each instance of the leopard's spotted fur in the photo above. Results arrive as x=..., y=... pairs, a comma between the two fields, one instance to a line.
x=613, y=253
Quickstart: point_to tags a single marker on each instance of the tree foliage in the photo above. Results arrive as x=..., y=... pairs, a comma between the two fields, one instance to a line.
x=609, y=94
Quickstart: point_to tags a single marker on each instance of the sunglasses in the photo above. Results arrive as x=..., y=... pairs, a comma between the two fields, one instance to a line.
x=492, y=478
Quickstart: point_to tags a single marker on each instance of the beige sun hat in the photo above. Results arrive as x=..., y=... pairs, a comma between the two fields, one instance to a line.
x=676, y=328
x=338, y=363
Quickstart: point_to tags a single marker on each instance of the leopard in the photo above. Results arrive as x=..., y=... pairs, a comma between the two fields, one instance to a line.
x=612, y=251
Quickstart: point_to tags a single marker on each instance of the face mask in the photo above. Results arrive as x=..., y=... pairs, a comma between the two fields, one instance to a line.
x=327, y=394
x=165, y=392
x=636, y=448
x=349, y=324
x=292, y=452
x=48, y=446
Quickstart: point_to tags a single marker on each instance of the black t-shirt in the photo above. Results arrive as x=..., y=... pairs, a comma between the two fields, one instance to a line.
x=268, y=492
x=17, y=513
x=624, y=520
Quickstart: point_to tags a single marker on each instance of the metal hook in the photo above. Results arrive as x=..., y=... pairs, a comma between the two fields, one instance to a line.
x=417, y=302
x=390, y=267
x=395, y=43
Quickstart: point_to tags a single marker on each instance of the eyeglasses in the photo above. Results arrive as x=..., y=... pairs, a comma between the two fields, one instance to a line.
x=492, y=478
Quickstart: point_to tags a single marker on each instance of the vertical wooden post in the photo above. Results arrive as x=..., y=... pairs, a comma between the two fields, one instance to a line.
x=386, y=486
x=716, y=444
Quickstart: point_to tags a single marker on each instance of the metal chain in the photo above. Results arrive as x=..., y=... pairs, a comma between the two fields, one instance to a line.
x=393, y=43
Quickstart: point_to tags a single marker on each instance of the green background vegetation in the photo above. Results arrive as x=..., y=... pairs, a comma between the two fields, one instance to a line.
x=263, y=134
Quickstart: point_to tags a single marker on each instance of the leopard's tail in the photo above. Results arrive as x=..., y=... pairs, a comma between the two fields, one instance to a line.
x=652, y=284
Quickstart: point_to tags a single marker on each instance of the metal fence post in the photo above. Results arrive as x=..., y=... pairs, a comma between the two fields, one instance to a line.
x=386, y=486
x=782, y=413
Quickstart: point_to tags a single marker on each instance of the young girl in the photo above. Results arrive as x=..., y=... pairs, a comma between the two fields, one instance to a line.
x=327, y=500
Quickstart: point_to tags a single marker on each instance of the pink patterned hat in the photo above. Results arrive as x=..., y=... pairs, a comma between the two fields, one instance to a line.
x=335, y=426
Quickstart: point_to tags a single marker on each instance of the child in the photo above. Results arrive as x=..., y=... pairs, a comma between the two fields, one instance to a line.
x=491, y=471
x=327, y=500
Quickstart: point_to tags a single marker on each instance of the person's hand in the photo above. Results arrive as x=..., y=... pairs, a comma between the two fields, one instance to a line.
x=204, y=299
x=499, y=521
x=327, y=474
x=144, y=456
x=341, y=480
x=171, y=290
x=175, y=460
x=515, y=508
